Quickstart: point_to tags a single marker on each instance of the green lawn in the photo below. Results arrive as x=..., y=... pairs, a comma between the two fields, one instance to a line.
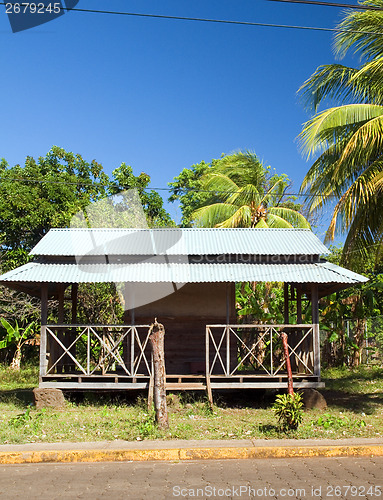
x=355, y=408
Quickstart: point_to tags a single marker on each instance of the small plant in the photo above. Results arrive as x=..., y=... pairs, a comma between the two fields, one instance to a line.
x=288, y=409
x=146, y=425
x=18, y=337
x=328, y=421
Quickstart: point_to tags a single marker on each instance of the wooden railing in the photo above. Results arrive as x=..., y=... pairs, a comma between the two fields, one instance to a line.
x=249, y=349
x=95, y=349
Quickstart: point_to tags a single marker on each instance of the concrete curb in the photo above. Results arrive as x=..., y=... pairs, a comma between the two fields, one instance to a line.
x=198, y=453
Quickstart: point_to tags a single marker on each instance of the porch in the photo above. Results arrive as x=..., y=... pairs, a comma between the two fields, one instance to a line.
x=235, y=356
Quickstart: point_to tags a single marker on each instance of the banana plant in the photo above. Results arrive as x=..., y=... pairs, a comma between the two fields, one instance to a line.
x=19, y=337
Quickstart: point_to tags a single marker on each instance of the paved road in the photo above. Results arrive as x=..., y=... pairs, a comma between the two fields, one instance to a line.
x=326, y=478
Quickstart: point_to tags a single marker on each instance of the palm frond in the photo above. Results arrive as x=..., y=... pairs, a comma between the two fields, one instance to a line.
x=361, y=196
x=274, y=220
x=325, y=128
x=331, y=81
x=261, y=224
x=292, y=217
x=221, y=184
x=211, y=215
x=243, y=167
x=359, y=32
x=364, y=146
x=246, y=195
x=241, y=218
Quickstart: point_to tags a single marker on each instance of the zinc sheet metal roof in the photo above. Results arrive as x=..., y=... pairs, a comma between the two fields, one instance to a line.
x=321, y=272
x=175, y=241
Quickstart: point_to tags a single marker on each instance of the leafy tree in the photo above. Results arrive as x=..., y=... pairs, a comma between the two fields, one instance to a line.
x=48, y=192
x=232, y=182
x=44, y=194
x=246, y=195
x=151, y=201
x=356, y=305
x=187, y=189
x=346, y=141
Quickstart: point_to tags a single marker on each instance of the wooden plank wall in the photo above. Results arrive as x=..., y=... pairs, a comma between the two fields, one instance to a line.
x=185, y=315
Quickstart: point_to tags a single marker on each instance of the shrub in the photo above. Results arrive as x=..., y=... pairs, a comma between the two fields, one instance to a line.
x=288, y=409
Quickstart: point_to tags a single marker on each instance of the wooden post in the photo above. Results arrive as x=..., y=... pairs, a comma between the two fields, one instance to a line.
x=207, y=368
x=72, y=333
x=43, y=336
x=299, y=306
x=74, y=295
x=228, y=303
x=156, y=337
x=60, y=334
x=315, y=319
x=286, y=303
x=288, y=365
x=151, y=385
x=298, y=365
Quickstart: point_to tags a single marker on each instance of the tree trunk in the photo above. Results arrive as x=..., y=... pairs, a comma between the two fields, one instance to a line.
x=360, y=329
x=288, y=365
x=157, y=334
x=16, y=361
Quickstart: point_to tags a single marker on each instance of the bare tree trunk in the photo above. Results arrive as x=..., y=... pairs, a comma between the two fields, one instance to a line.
x=157, y=334
x=16, y=361
x=288, y=365
x=360, y=329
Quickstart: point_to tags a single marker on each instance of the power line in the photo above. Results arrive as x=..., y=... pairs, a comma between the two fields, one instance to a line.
x=207, y=20
x=331, y=4
x=101, y=184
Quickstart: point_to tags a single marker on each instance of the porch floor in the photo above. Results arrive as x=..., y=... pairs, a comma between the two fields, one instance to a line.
x=177, y=382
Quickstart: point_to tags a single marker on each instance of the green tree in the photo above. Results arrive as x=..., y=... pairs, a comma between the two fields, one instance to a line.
x=186, y=188
x=44, y=194
x=48, y=192
x=346, y=141
x=208, y=192
x=246, y=194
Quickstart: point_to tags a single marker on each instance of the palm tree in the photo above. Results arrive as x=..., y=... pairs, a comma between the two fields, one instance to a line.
x=348, y=139
x=246, y=195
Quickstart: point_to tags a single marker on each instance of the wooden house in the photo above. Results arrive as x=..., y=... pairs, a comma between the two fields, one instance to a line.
x=186, y=278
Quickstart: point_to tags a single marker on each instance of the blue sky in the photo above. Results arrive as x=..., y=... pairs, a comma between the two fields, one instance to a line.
x=161, y=95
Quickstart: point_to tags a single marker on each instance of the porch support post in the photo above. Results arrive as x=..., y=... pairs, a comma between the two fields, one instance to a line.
x=74, y=295
x=72, y=333
x=207, y=360
x=60, y=334
x=299, y=306
x=286, y=303
x=43, y=336
x=61, y=304
x=228, y=290
x=315, y=320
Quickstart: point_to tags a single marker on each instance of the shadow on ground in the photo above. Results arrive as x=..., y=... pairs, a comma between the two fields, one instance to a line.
x=18, y=397
x=366, y=403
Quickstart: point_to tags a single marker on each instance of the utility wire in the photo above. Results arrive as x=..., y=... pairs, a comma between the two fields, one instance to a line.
x=101, y=184
x=207, y=20
x=331, y=4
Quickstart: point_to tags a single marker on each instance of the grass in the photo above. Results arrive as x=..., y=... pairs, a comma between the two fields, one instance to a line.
x=355, y=409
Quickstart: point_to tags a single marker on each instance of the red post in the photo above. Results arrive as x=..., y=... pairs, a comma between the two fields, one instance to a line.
x=288, y=364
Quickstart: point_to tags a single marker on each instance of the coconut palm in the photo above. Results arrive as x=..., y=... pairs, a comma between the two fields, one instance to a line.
x=347, y=140
x=246, y=195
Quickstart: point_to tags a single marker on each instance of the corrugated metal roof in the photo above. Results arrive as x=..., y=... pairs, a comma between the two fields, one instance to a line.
x=174, y=241
x=321, y=272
